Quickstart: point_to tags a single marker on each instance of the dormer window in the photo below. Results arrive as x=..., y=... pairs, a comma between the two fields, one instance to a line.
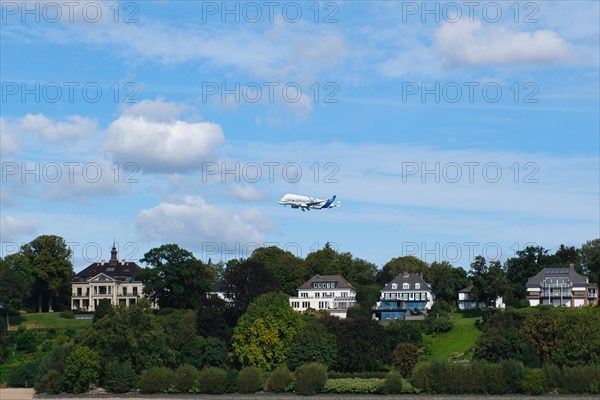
x=417, y=286
x=394, y=286
x=405, y=286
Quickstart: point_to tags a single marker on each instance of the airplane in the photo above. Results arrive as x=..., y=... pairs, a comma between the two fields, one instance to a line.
x=306, y=203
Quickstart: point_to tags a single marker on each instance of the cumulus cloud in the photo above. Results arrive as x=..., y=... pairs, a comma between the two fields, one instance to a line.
x=192, y=221
x=39, y=125
x=149, y=135
x=246, y=192
x=473, y=43
x=12, y=228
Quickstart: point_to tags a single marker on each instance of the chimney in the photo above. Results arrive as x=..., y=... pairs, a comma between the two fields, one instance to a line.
x=572, y=266
x=405, y=274
x=102, y=262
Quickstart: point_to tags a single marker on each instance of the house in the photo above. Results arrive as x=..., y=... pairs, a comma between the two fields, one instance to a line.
x=219, y=291
x=330, y=293
x=112, y=280
x=561, y=287
x=465, y=302
x=405, y=293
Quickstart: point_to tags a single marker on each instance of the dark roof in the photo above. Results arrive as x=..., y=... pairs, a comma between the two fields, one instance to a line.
x=119, y=270
x=576, y=279
x=218, y=286
x=341, y=283
x=466, y=290
x=411, y=279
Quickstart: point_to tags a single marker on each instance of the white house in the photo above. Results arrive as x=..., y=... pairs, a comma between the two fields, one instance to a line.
x=112, y=280
x=405, y=293
x=465, y=302
x=331, y=293
x=561, y=287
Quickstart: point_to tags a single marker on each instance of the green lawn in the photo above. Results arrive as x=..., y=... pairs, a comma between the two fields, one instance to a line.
x=460, y=339
x=53, y=320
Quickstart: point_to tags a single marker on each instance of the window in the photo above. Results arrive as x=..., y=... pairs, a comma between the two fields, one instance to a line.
x=304, y=295
x=295, y=304
x=394, y=286
x=135, y=291
x=344, y=294
x=102, y=290
x=110, y=290
x=405, y=286
x=131, y=302
x=323, y=305
x=305, y=304
x=78, y=292
x=317, y=295
x=125, y=291
x=417, y=286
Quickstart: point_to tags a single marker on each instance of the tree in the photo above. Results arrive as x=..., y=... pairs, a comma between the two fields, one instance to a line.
x=590, y=259
x=328, y=261
x=567, y=255
x=489, y=283
x=447, y=280
x=405, y=357
x=313, y=344
x=103, y=308
x=399, y=331
x=395, y=266
x=179, y=327
x=48, y=259
x=527, y=263
x=215, y=318
x=177, y=279
x=264, y=333
x=81, y=370
x=288, y=270
x=246, y=280
x=15, y=285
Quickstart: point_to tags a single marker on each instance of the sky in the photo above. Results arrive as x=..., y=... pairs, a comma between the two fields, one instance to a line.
x=447, y=130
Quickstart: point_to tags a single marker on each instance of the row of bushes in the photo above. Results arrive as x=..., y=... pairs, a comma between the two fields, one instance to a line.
x=506, y=377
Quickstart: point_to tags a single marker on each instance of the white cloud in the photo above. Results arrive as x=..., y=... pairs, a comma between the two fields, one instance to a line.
x=149, y=135
x=191, y=221
x=12, y=228
x=245, y=192
x=474, y=43
x=8, y=144
x=73, y=127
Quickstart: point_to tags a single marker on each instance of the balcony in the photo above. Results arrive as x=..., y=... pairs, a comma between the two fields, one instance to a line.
x=556, y=294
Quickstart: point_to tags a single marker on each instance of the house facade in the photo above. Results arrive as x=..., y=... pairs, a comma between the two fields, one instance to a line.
x=112, y=280
x=405, y=293
x=330, y=293
x=561, y=287
x=466, y=303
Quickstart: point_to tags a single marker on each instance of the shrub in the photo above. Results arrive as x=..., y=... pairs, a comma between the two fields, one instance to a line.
x=214, y=353
x=119, y=377
x=51, y=382
x=24, y=375
x=393, y=383
x=582, y=380
x=249, y=380
x=405, y=356
x=280, y=379
x=25, y=340
x=354, y=386
x=155, y=380
x=232, y=379
x=310, y=378
x=184, y=378
x=362, y=375
x=404, y=332
x=512, y=373
x=493, y=378
x=553, y=375
x=81, y=369
x=67, y=314
x=212, y=380
x=534, y=382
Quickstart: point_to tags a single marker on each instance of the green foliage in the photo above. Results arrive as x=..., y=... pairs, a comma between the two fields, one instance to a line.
x=513, y=372
x=310, y=379
x=434, y=324
x=180, y=334
x=280, y=379
x=232, y=379
x=264, y=333
x=393, y=383
x=313, y=344
x=132, y=333
x=212, y=380
x=399, y=331
x=497, y=344
x=156, y=380
x=581, y=380
x=489, y=282
x=249, y=380
x=103, y=308
x=119, y=377
x=16, y=282
x=184, y=378
x=25, y=340
x=246, y=280
x=446, y=281
x=405, y=358
x=356, y=386
x=24, y=375
x=51, y=382
x=395, y=266
x=81, y=369
x=176, y=279
x=68, y=314
x=527, y=263
x=288, y=270
x=590, y=259
x=213, y=353
x=534, y=382
x=215, y=318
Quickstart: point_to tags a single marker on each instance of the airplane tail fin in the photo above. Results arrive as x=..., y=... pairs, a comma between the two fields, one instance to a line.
x=330, y=201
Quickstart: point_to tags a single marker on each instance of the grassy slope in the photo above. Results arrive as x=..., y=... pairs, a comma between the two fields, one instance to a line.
x=53, y=320
x=461, y=338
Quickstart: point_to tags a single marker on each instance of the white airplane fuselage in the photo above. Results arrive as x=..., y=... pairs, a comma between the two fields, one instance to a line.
x=306, y=202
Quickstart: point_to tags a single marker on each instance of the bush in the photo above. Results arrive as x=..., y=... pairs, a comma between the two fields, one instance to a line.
x=280, y=379
x=512, y=372
x=51, y=382
x=405, y=358
x=310, y=378
x=212, y=380
x=249, y=380
x=493, y=378
x=184, y=378
x=534, y=382
x=553, y=375
x=25, y=340
x=155, y=380
x=119, y=377
x=582, y=380
x=232, y=379
x=82, y=368
x=67, y=314
x=24, y=375
x=362, y=375
x=354, y=386
x=393, y=383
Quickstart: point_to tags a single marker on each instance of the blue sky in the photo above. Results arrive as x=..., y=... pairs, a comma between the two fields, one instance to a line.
x=446, y=129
